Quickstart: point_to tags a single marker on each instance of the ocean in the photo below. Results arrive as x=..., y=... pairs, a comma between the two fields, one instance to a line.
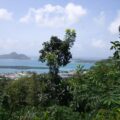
x=35, y=63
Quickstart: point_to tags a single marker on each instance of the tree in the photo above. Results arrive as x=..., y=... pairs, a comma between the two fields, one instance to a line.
x=116, y=55
x=116, y=47
x=56, y=52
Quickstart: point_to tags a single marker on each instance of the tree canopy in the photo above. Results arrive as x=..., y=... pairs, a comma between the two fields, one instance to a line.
x=92, y=94
x=56, y=52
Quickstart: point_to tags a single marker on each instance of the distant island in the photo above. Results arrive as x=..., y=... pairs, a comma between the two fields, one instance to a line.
x=14, y=55
x=22, y=67
x=86, y=60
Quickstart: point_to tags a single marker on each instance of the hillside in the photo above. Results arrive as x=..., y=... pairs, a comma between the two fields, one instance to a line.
x=14, y=55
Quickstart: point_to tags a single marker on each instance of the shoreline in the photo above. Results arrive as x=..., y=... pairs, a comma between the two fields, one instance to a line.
x=22, y=67
x=17, y=75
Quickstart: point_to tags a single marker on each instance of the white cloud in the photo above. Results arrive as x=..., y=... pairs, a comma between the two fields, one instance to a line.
x=55, y=16
x=98, y=43
x=100, y=19
x=77, y=49
x=8, y=45
x=5, y=15
x=113, y=28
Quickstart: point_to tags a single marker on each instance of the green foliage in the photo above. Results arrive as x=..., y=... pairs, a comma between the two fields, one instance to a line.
x=57, y=52
x=116, y=47
x=92, y=94
x=103, y=114
x=116, y=55
x=60, y=113
x=89, y=95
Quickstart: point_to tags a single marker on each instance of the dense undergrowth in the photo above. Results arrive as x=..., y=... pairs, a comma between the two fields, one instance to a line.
x=88, y=95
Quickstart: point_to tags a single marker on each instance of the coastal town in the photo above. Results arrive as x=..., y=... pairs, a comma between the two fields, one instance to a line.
x=17, y=75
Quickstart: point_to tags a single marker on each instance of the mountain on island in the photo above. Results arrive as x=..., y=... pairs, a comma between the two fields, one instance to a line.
x=14, y=55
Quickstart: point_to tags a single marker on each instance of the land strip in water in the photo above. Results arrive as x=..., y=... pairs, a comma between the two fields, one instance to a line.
x=22, y=67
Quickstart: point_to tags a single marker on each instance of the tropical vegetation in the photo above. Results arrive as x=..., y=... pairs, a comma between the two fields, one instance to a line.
x=92, y=94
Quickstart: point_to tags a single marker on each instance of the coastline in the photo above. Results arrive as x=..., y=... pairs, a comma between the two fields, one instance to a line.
x=17, y=75
x=22, y=67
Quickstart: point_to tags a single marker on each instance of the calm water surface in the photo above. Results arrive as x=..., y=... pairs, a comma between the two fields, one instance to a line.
x=35, y=63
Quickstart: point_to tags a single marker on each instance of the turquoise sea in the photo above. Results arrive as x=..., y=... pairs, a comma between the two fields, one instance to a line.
x=35, y=63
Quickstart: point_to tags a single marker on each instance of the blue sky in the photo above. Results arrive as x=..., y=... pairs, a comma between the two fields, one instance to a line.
x=26, y=24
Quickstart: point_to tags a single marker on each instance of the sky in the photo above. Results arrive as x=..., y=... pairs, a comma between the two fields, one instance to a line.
x=26, y=24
